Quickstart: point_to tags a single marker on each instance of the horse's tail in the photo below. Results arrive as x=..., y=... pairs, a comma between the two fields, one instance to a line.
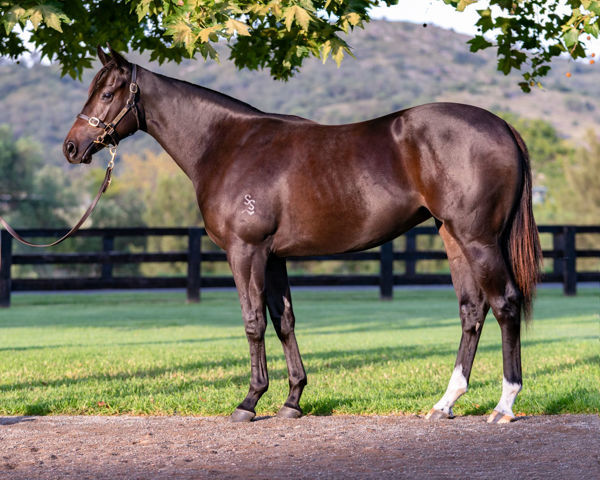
x=524, y=250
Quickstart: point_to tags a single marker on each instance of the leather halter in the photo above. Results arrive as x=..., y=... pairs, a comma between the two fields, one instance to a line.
x=110, y=128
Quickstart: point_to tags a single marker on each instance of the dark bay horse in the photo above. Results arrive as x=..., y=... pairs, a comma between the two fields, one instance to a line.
x=271, y=186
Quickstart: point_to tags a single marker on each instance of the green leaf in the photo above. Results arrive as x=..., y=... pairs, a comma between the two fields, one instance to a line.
x=594, y=7
x=208, y=51
x=338, y=56
x=12, y=18
x=570, y=37
x=464, y=4
x=486, y=23
x=525, y=86
x=302, y=17
x=35, y=18
x=53, y=17
x=592, y=29
x=578, y=51
x=19, y=12
x=336, y=48
x=182, y=33
x=9, y=22
x=504, y=64
x=325, y=50
x=142, y=9
x=289, y=18
x=543, y=71
x=478, y=43
x=299, y=15
x=234, y=26
x=206, y=33
x=353, y=18
x=555, y=50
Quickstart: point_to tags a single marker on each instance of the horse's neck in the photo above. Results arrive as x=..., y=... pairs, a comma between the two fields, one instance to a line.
x=185, y=119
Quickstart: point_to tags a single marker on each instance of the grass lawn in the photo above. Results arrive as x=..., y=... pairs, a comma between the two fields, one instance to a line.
x=150, y=353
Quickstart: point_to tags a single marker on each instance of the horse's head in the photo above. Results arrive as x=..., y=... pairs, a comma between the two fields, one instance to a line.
x=110, y=113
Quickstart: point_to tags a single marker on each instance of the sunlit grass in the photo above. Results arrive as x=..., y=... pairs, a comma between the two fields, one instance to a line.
x=150, y=353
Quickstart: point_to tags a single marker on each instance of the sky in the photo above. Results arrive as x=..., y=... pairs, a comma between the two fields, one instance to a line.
x=436, y=12
x=433, y=12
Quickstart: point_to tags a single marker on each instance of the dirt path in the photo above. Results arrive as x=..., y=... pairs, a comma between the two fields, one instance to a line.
x=562, y=447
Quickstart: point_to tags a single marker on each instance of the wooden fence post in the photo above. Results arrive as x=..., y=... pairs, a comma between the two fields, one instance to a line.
x=108, y=245
x=570, y=262
x=386, y=271
x=411, y=247
x=558, y=244
x=5, y=267
x=194, y=264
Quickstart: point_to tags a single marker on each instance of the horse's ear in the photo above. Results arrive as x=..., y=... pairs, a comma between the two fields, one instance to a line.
x=118, y=58
x=104, y=58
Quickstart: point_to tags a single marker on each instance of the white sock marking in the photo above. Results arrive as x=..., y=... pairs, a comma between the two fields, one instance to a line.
x=456, y=387
x=507, y=400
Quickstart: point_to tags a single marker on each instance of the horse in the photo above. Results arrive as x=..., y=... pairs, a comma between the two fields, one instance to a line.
x=270, y=186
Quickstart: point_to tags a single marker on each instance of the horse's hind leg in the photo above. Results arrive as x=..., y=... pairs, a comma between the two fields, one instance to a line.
x=279, y=302
x=491, y=272
x=248, y=264
x=473, y=309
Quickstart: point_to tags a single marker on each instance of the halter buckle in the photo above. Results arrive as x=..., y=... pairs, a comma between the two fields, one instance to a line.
x=133, y=88
x=100, y=140
x=94, y=122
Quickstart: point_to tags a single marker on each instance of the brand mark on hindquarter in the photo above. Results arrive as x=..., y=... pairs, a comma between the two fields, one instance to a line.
x=249, y=202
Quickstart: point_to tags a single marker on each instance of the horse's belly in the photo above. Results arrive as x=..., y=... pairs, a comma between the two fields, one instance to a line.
x=343, y=229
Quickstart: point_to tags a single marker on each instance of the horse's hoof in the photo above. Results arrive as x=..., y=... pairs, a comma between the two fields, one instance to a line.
x=499, y=417
x=289, y=412
x=438, y=415
x=239, y=416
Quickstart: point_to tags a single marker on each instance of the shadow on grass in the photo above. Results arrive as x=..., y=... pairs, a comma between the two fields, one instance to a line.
x=322, y=309
x=564, y=403
x=325, y=406
x=38, y=409
x=123, y=344
x=332, y=360
x=328, y=361
x=548, y=370
x=410, y=350
x=482, y=409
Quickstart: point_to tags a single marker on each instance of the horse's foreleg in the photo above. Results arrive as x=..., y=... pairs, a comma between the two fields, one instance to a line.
x=279, y=302
x=248, y=264
x=473, y=309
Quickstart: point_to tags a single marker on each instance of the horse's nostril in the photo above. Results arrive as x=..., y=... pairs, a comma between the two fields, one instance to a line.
x=71, y=149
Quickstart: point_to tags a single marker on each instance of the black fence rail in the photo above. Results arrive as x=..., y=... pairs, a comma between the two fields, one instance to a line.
x=564, y=255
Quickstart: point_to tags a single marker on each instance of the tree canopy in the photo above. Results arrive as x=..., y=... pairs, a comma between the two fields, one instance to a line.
x=279, y=34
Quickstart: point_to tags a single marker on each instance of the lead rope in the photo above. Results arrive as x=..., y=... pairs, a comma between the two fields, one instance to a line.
x=88, y=212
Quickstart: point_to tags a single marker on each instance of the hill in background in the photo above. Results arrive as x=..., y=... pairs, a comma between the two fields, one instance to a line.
x=397, y=65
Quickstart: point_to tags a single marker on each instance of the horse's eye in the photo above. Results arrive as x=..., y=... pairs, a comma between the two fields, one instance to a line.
x=107, y=95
